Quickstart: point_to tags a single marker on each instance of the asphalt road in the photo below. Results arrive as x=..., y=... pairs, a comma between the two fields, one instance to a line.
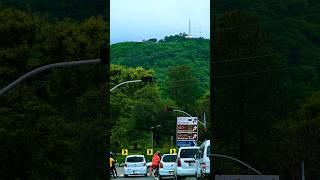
x=121, y=176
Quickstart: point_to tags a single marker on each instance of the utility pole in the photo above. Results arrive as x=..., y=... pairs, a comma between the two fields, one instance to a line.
x=151, y=133
x=205, y=126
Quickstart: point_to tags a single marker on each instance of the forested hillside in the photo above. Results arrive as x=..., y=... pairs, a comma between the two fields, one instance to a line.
x=165, y=54
x=267, y=84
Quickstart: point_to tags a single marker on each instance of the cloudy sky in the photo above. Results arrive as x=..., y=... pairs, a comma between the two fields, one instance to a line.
x=135, y=20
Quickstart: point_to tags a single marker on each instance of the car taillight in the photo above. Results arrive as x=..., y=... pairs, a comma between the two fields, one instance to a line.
x=161, y=165
x=179, y=163
x=125, y=165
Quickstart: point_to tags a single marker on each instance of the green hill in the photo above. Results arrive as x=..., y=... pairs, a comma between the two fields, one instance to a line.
x=164, y=54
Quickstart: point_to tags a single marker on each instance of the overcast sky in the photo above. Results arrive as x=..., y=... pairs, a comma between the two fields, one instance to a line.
x=135, y=20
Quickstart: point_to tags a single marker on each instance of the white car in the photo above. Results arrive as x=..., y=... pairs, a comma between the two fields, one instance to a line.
x=135, y=165
x=148, y=165
x=185, y=163
x=203, y=160
x=167, y=165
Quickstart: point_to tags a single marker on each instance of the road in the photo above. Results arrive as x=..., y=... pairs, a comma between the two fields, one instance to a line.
x=121, y=176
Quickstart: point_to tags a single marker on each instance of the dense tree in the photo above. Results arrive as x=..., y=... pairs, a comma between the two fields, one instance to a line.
x=183, y=87
x=52, y=125
x=165, y=55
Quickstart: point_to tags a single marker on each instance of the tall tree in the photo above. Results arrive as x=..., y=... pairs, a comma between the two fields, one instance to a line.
x=183, y=87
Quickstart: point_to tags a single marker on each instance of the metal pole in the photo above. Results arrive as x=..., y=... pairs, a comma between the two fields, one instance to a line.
x=237, y=160
x=126, y=82
x=205, y=126
x=171, y=145
x=47, y=67
x=152, y=138
x=204, y=122
x=176, y=110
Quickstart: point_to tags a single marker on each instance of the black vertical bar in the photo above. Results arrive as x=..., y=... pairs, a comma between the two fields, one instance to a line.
x=213, y=58
x=108, y=119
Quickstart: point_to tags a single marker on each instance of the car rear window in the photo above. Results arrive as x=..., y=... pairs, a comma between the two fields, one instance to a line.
x=188, y=153
x=169, y=158
x=135, y=159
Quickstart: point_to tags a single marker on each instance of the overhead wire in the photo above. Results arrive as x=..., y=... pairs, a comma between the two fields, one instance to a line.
x=269, y=22
x=259, y=7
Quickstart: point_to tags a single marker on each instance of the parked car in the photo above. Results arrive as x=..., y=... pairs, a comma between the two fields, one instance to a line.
x=203, y=160
x=185, y=163
x=135, y=165
x=167, y=165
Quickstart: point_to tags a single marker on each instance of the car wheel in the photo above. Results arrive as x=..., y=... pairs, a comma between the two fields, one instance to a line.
x=125, y=176
x=160, y=177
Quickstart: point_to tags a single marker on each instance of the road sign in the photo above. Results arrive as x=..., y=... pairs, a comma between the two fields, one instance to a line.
x=173, y=151
x=124, y=152
x=149, y=152
x=187, y=136
x=186, y=143
x=187, y=120
x=187, y=130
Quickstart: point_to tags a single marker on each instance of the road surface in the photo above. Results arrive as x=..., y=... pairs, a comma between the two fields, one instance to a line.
x=121, y=176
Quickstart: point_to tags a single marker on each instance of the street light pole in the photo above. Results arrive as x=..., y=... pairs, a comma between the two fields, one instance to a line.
x=126, y=82
x=203, y=123
x=147, y=79
x=47, y=67
x=176, y=110
x=237, y=160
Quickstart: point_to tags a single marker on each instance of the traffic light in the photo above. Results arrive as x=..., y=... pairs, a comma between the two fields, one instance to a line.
x=168, y=109
x=148, y=79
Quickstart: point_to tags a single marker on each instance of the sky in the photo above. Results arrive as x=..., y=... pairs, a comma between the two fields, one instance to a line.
x=137, y=20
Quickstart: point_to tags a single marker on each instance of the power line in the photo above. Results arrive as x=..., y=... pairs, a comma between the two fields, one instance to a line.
x=269, y=22
x=264, y=71
x=261, y=6
x=267, y=55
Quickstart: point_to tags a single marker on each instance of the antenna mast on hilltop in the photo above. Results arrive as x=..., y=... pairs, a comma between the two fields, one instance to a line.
x=189, y=33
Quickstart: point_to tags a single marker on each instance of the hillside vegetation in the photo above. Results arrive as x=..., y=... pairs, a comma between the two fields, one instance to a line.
x=168, y=53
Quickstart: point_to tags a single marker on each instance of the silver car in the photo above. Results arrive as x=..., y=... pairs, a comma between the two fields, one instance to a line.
x=167, y=165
